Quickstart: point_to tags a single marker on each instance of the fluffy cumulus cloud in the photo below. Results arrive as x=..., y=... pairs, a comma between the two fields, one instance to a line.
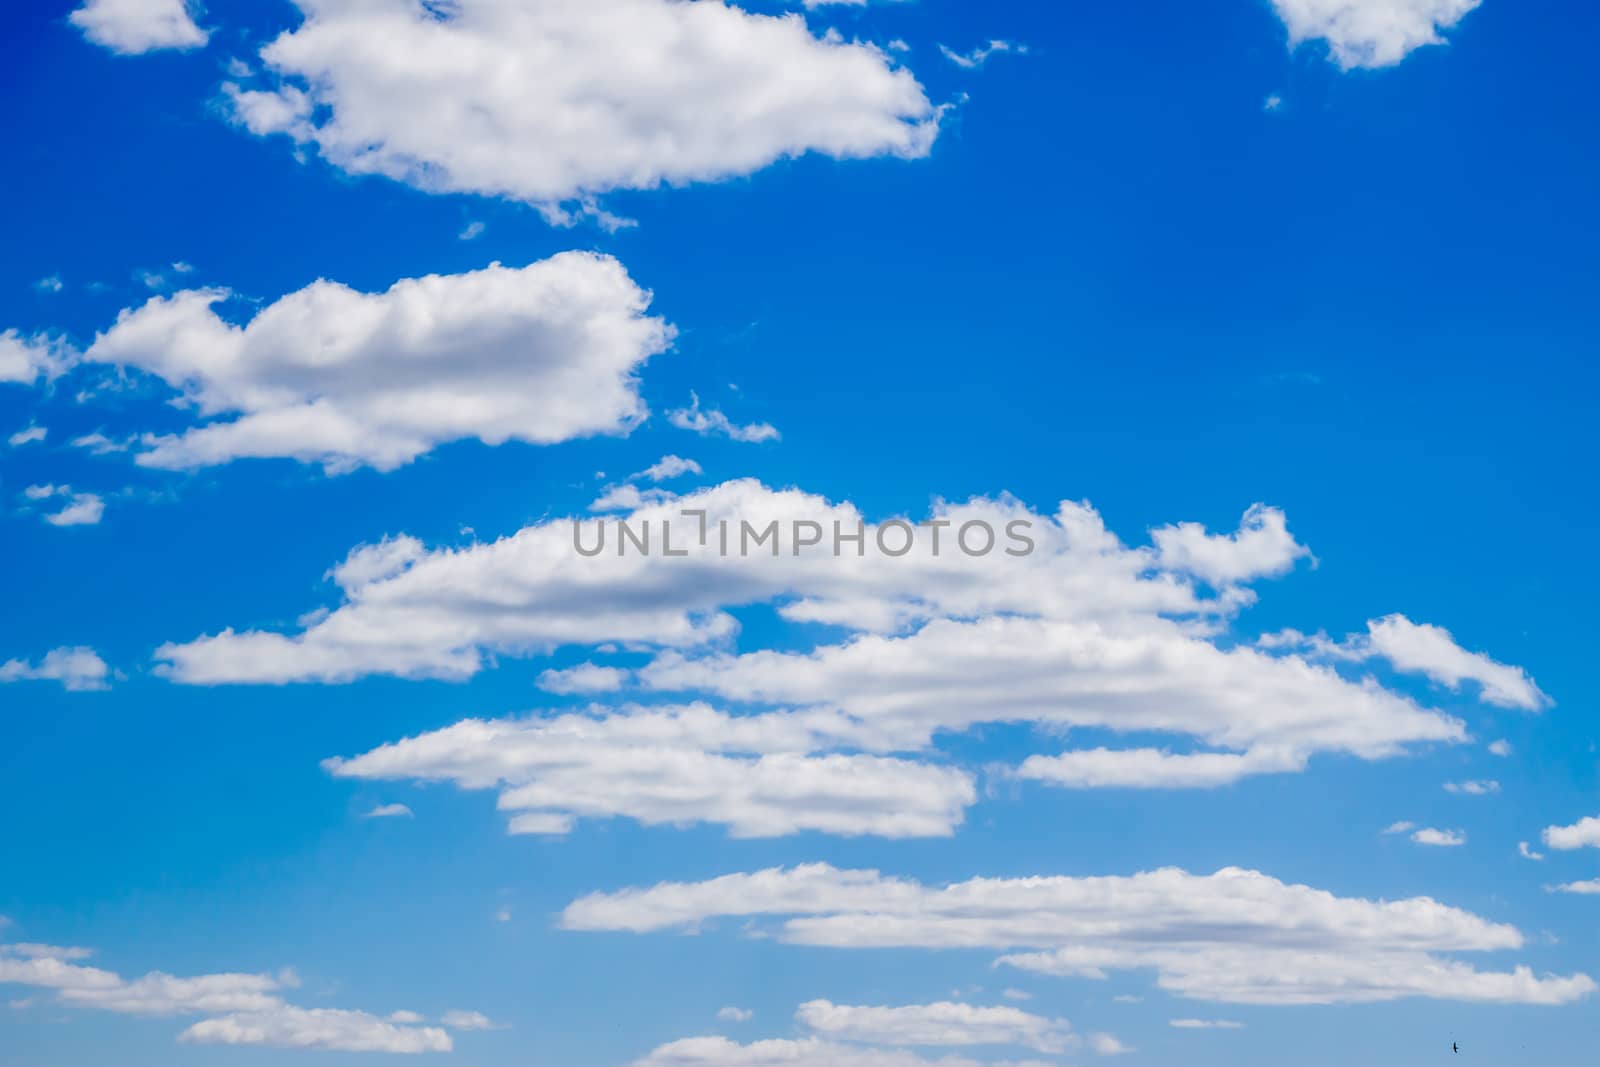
x=1235, y=936
x=558, y=102
x=1077, y=630
x=132, y=27
x=1371, y=33
x=942, y=1024
x=541, y=354
x=678, y=766
x=238, y=1009
x=76, y=669
x=1585, y=833
x=27, y=359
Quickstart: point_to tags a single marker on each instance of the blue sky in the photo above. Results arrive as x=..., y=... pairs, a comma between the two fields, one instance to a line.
x=323, y=321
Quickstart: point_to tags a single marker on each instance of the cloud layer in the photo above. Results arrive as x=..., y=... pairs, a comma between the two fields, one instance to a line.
x=1235, y=936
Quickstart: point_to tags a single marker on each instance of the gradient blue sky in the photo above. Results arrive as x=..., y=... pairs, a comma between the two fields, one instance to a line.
x=1155, y=259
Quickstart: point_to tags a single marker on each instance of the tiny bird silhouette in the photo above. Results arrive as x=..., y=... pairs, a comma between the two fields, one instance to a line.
x=1455, y=1048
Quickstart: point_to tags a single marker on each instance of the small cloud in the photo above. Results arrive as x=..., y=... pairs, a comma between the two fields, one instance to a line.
x=85, y=509
x=979, y=56
x=1500, y=748
x=1584, y=889
x=712, y=423
x=82, y=509
x=1273, y=102
x=1205, y=1024
x=406, y=1018
x=471, y=231
x=1107, y=1045
x=27, y=436
x=77, y=669
x=467, y=1020
x=668, y=467
x=52, y=284
x=503, y=915
x=584, y=678
x=390, y=811
x=99, y=444
x=1439, y=838
x=181, y=267
x=1401, y=827
x=1016, y=994
x=1472, y=789
x=735, y=1015
x=1526, y=851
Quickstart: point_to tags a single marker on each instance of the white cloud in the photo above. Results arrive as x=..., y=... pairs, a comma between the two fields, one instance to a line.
x=1431, y=651
x=444, y=610
x=77, y=669
x=133, y=27
x=676, y=766
x=668, y=467
x=82, y=509
x=944, y=1023
x=27, y=436
x=467, y=1020
x=1108, y=1045
x=584, y=678
x=242, y=1008
x=806, y=1052
x=1500, y=748
x=979, y=56
x=1473, y=789
x=472, y=231
x=99, y=444
x=390, y=811
x=712, y=423
x=1016, y=994
x=1427, y=835
x=1402, y=827
x=286, y=1026
x=540, y=354
x=1585, y=889
x=1419, y=648
x=1146, y=768
x=1585, y=833
x=562, y=101
x=1262, y=547
x=1527, y=853
x=1083, y=632
x=51, y=284
x=25, y=360
x=1234, y=936
x=735, y=1015
x=1371, y=33
x=1205, y=1024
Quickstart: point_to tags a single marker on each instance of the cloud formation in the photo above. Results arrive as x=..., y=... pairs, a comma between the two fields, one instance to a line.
x=77, y=669
x=559, y=102
x=1371, y=33
x=133, y=27
x=1235, y=936
x=240, y=1009
x=540, y=354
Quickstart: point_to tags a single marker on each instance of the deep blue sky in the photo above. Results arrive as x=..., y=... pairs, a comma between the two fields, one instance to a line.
x=1117, y=277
